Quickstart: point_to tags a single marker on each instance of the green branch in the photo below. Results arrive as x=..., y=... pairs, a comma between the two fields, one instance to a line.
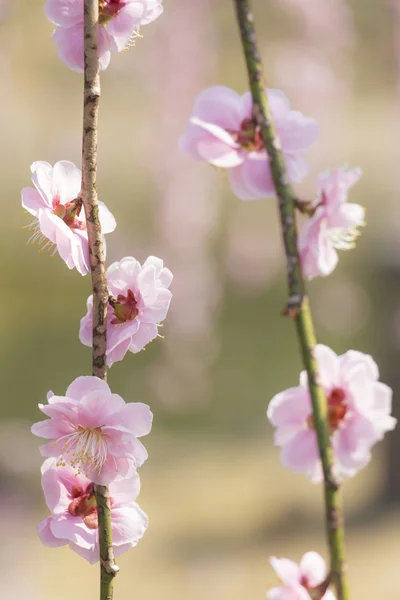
x=298, y=305
x=91, y=97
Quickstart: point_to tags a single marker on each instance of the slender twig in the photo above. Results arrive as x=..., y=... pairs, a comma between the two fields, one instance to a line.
x=97, y=263
x=298, y=305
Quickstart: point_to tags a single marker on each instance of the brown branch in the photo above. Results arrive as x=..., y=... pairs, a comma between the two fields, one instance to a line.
x=91, y=97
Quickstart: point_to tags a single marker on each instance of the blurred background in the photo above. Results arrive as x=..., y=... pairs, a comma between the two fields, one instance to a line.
x=218, y=500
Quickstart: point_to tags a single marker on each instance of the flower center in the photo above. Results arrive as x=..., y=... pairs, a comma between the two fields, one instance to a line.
x=108, y=9
x=336, y=410
x=69, y=212
x=249, y=136
x=85, y=450
x=125, y=308
x=84, y=505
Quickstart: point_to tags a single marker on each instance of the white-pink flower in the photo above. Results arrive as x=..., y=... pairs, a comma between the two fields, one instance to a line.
x=73, y=521
x=119, y=22
x=306, y=581
x=59, y=222
x=223, y=133
x=140, y=302
x=359, y=408
x=333, y=225
x=94, y=431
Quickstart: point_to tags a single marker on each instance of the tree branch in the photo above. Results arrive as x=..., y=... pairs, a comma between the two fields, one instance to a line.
x=298, y=305
x=91, y=98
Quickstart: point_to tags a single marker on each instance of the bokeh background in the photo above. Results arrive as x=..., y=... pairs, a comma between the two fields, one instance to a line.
x=218, y=500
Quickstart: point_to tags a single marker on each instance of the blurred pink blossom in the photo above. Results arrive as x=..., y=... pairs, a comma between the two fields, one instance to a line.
x=333, y=226
x=222, y=132
x=300, y=582
x=141, y=301
x=359, y=409
x=73, y=521
x=59, y=217
x=94, y=431
x=187, y=230
x=119, y=22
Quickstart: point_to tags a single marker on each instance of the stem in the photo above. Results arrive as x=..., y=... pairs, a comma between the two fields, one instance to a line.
x=91, y=98
x=298, y=305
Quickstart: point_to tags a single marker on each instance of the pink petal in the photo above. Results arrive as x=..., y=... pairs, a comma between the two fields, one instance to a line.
x=145, y=334
x=297, y=132
x=124, y=491
x=165, y=277
x=85, y=385
x=80, y=251
x=147, y=285
x=287, y=570
x=158, y=311
x=138, y=418
x=353, y=357
x=98, y=409
x=239, y=186
x=56, y=494
x=121, y=28
x=216, y=132
x=281, y=593
x=359, y=388
x=86, y=325
x=129, y=268
x=217, y=153
x=68, y=245
x=291, y=406
x=129, y=524
x=219, y=105
x=32, y=201
x=64, y=12
x=42, y=178
x=112, y=468
x=382, y=398
x=163, y=274
x=296, y=166
x=66, y=181
x=301, y=453
x=119, y=333
x=327, y=256
x=140, y=453
x=190, y=139
x=47, y=537
x=70, y=47
x=348, y=216
x=313, y=568
x=279, y=103
x=74, y=530
x=91, y=554
x=328, y=367
x=118, y=352
x=107, y=221
x=257, y=175
x=51, y=429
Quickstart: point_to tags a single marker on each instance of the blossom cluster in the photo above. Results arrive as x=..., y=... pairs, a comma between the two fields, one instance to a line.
x=93, y=434
x=224, y=132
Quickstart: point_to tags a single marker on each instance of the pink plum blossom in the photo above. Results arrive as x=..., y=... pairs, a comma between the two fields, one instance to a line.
x=94, y=431
x=119, y=22
x=306, y=581
x=73, y=521
x=333, y=225
x=359, y=408
x=59, y=219
x=140, y=301
x=223, y=133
